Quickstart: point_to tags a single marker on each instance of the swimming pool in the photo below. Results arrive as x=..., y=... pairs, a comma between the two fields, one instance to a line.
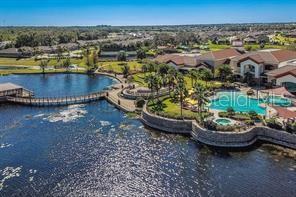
x=223, y=121
x=240, y=102
x=279, y=101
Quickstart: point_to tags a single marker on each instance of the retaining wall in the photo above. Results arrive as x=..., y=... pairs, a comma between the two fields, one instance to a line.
x=217, y=138
x=166, y=124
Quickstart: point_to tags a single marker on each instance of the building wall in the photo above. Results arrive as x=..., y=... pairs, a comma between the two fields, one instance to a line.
x=258, y=68
x=287, y=78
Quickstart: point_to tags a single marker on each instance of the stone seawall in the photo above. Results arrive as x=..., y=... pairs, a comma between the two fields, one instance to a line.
x=244, y=138
x=166, y=124
x=216, y=138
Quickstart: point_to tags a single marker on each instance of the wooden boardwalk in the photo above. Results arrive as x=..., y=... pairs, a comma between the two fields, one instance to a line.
x=71, y=100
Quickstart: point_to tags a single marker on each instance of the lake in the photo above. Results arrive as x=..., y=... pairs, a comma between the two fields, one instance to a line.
x=97, y=150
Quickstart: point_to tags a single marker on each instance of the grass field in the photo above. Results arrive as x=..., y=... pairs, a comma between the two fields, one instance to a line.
x=140, y=79
x=32, y=62
x=116, y=66
x=34, y=71
x=208, y=85
x=283, y=40
x=172, y=110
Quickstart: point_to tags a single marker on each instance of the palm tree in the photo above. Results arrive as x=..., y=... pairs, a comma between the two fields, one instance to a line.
x=43, y=65
x=144, y=68
x=201, y=97
x=205, y=75
x=154, y=83
x=95, y=59
x=223, y=72
x=125, y=70
x=181, y=91
x=67, y=64
x=171, y=77
x=193, y=75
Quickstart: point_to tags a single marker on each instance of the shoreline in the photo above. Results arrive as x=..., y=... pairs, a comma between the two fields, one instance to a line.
x=190, y=127
x=241, y=139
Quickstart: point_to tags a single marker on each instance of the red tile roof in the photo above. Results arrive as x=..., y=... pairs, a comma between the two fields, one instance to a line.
x=285, y=113
x=268, y=57
x=178, y=59
x=283, y=71
x=220, y=55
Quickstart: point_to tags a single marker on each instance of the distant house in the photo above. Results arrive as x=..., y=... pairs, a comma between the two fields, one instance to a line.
x=250, y=40
x=216, y=58
x=256, y=64
x=237, y=43
x=5, y=44
x=182, y=62
x=45, y=49
x=11, y=53
x=23, y=52
x=112, y=55
x=284, y=76
x=70, y=46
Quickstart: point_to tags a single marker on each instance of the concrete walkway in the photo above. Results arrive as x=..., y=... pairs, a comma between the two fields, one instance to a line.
x=114, y=97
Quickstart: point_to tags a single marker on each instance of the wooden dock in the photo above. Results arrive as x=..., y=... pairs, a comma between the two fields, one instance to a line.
x=59, y=101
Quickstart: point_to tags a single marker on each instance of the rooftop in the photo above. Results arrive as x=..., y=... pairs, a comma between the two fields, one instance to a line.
x=9, y=86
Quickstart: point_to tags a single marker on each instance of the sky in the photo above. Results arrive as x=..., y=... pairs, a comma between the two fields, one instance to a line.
x=143, y=12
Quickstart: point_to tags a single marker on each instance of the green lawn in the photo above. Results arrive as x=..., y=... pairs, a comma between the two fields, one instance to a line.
x=116, y=66
x=209, y=85
x=139, y=78
x=217, y=47
x=267, y=46
x=172, y=110
x=32, y=62
x=284, y=40
x=33, y=71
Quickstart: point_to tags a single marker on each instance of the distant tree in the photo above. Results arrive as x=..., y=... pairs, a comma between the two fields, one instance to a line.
x=43, y=65
x=95, y=59
x=125, y=70
x=121, y=56
x=248, y=48
x=144, y=68
x=141, y=54
x=66, y=64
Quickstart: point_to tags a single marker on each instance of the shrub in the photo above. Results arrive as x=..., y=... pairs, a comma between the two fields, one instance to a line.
x=210, y=125
x=254, y=116
x=249, y=122
x=250, y=93
x=140, y=102
x=225, y=128
x=241, y=117
x=291, y=128
x=230, y=111
x=274, y=124
x=223, y=114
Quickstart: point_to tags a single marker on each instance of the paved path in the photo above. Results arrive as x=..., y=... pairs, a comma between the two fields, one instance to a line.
x=114, y=97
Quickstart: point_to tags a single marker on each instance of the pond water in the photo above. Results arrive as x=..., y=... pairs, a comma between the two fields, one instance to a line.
x=51, y=85
x=96, y=150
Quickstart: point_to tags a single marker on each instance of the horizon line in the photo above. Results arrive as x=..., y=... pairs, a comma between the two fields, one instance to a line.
x=153, y=25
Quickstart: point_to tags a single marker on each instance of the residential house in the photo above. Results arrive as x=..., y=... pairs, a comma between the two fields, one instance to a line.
x=216, y=58
x=284, y=76
x=254, y=66
x=182, y=62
